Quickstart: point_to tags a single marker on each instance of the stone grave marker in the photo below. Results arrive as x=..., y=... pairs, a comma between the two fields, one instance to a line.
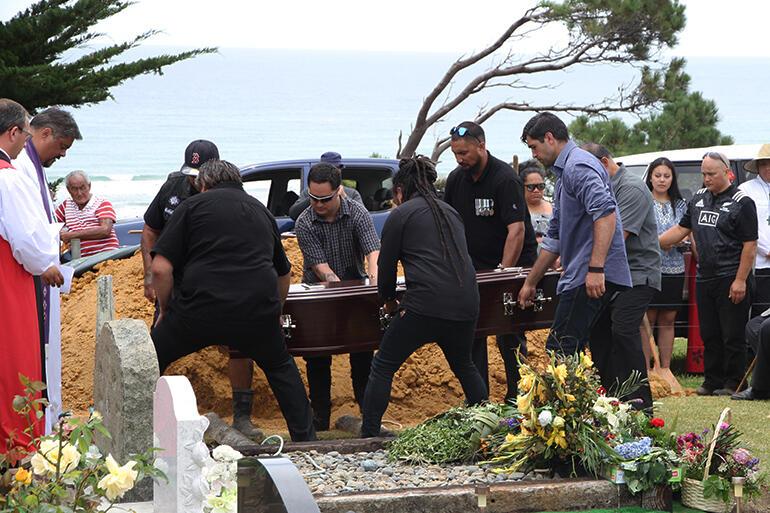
x=125, y=372
x=178, y=431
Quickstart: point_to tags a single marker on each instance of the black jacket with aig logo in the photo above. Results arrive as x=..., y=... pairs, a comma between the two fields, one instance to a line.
x=720, y=225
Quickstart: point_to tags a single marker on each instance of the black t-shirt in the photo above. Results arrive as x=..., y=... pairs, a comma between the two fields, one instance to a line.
x=487, y=206
x=227, y=253
x=176, y=189
x=720, y=225
x=410, y=234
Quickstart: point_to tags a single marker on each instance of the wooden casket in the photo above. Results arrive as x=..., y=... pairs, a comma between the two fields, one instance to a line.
x=346, y=317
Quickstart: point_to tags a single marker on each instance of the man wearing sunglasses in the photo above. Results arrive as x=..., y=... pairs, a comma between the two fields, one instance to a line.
x=335, y=159
x=723, y=222
x=336, y=235
x=489, y=196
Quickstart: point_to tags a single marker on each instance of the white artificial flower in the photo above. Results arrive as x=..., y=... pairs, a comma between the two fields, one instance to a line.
x=545, y=417
x=44, y=460
x=226, y=453
x=119, y=480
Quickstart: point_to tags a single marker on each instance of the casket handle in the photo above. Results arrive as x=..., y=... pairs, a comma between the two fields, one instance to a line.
x=385, y=319
x=287, y=325
x=509, y=304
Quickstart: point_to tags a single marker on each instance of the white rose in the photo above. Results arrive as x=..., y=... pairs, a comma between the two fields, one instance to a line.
x=226, y=453
x=545, y=417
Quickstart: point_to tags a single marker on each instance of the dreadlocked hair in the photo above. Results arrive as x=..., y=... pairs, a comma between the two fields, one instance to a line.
x=416, y=176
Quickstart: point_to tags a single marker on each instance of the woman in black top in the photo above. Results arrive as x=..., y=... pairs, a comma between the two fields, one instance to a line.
x=441, y=303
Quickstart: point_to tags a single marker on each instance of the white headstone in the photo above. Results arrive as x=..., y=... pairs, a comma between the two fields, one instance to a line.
x=179, y=432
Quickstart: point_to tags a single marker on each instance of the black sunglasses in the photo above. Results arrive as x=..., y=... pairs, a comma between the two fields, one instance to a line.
x=322, y=199
x=532, y=186
x=716, y=156
x=461, y=131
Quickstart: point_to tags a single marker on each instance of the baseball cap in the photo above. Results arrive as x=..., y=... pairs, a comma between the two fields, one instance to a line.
x=333, y=158
x=196, y=153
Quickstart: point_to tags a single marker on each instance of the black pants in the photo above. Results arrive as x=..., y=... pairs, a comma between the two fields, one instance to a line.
x=758, y=338
x=262, y=341
x=761, y=292
x=722, y=325
x=407, y=332
x=319, y=381
x=507, y=345
x=616, y=343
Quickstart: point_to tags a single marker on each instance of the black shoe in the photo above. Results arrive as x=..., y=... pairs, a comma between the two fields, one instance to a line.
x=746, y=395
x=321, y=423
x=704, y=391
x=724, y=391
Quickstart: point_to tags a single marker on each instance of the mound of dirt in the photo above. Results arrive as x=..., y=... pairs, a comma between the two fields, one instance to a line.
x=423, y=387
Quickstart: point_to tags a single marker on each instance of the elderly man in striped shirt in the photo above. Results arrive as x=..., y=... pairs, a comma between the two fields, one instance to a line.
x=86, y=217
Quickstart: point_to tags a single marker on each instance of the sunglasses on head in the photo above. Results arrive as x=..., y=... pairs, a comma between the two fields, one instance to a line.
x=322, y=199
x=532, y=186
x=461, y=131
x=717, y=156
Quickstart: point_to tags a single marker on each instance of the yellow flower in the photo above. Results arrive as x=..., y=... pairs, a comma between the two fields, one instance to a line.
x=44, y=460
x=509, y=437
x=524, y=402
x=119, y=480
x=570, y=398
x=557, y=437
x=558, y=422
x=586, y=361
x=526, y=382
x=560, y=373
x=24, y=476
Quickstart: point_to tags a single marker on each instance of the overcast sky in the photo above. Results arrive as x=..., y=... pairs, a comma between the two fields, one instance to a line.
x=714, y=27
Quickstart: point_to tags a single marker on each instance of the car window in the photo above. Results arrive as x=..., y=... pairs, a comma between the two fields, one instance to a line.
x=373, y=183
x=277, y=189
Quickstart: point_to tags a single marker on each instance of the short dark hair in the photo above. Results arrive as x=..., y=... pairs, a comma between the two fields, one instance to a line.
x=541, y=124
x=11, y=114
x=599, y=151
x=673, y=190
x=324, y=172
x=59, y=121
x=472, y=130
x=213, y=172
x=529, y=167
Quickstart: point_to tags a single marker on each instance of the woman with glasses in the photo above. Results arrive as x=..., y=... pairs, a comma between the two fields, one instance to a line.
x=660, y=178
x=441, y=302
x=540, y=210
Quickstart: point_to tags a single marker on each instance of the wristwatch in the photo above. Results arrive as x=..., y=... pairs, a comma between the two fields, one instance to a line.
x=594, y=269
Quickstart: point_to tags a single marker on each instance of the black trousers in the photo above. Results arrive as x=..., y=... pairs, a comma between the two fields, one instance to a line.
x=319, y=381
x=262, y=341
x=407, y=332
x=761, y=292
x=507, y=345
x=758, y=338
x=722, y=325
x=616, y=343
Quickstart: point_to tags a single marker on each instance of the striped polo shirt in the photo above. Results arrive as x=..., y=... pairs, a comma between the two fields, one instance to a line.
x=88, y=217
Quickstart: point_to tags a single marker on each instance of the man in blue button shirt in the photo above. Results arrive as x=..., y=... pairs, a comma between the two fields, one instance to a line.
x=585, y=231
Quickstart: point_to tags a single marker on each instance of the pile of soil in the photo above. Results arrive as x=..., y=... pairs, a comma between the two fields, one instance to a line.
x=423, y=387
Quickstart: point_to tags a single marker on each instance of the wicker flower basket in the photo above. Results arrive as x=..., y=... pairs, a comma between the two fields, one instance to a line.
x=692, y=489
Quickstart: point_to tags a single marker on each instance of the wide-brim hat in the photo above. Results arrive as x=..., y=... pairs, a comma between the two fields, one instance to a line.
x=196, y=154
x=764, y=154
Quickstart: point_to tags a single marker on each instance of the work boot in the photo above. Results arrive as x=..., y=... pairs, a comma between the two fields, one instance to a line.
x=243, y=399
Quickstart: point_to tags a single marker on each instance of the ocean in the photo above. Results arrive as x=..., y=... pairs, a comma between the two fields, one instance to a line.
x=263, y=105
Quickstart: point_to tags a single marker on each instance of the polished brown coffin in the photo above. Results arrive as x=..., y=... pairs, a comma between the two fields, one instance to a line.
x=345, y=317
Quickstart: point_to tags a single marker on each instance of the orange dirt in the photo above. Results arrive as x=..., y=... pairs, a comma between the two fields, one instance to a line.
x=423, y=387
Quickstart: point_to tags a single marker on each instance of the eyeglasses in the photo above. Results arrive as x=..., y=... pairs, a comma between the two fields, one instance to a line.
x=322, y=199
x=532, y=186
x=717, y=156
x=461, y=131
x=26, y=132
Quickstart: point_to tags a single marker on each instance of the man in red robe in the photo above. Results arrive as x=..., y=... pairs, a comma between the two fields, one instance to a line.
x=27, y=247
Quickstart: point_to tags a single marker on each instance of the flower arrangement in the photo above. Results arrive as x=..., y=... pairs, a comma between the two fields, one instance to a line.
x=556, y=425
x=67, y=472
x=221, y=476
x=728, y=460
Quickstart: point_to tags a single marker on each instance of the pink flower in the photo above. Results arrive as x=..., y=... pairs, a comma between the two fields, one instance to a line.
x=741, y=456
x=724, y=426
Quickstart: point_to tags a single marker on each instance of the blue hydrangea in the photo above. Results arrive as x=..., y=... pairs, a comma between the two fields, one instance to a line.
x=635, y=449
x=511, y=423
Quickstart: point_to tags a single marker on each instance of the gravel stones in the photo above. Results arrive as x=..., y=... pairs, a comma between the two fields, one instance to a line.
x=371, y=471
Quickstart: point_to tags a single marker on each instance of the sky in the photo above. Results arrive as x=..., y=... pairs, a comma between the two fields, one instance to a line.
x=714, y=27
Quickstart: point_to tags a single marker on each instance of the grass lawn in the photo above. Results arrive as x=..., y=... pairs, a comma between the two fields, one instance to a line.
x=694, y=413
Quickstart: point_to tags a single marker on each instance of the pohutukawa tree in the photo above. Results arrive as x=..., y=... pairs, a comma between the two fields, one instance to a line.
x=32, y=44
x=599, y=31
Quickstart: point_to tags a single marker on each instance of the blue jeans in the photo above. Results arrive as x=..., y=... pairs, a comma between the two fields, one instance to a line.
x=575, y=316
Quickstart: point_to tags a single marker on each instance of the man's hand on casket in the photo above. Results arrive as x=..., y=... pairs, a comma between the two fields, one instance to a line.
x=526, y=295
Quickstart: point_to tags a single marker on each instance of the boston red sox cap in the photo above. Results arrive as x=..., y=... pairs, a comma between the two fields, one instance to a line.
x=196, y=153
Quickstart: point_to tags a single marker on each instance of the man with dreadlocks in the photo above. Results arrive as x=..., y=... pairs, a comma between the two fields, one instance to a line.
x=489, y=195
x=441, y=303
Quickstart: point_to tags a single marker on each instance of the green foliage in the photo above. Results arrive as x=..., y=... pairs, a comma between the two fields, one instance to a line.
x=53, y=185
x=686, y=120
x=32, y=47
x=376, y=155
x=452, y=436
